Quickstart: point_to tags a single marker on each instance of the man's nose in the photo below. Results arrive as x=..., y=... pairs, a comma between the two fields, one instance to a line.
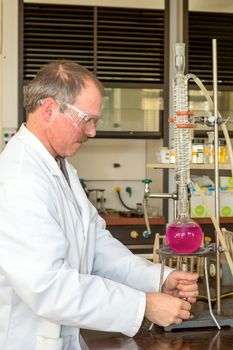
x=90, y=129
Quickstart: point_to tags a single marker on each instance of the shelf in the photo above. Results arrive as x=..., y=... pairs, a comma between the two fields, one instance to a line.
x=117, y=220
x=223, y=220
x=192, y=166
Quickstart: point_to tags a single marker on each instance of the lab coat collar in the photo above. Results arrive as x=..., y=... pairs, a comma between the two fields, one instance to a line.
x=28, y=138
x=75, y=194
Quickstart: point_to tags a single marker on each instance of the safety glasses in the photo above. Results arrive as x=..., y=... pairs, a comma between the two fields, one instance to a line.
x=79, y=118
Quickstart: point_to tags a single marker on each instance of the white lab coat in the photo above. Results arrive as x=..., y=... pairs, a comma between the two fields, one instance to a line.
x=60, y=269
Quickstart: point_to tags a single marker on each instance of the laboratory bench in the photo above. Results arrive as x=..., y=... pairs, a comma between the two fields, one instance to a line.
x=158, y=339
x=117, y=220
x=196, y=339
x=123, y=228
x=132, y=232
x=183, y=338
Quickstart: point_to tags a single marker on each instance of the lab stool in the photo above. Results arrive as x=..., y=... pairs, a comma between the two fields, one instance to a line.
x=167, y=253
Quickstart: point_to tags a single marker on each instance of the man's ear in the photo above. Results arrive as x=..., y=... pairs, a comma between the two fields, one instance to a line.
x=49, y=109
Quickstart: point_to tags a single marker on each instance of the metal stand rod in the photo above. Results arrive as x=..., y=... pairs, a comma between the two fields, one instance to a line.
x=216, y=171
x=173, y=196
x=208, y=293
x=161, y=275
x=163, y=195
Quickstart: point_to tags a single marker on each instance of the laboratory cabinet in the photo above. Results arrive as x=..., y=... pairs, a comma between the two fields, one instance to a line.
x=131, y=231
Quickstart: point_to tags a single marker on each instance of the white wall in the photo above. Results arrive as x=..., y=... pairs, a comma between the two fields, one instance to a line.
x=194, y=5
x=115, y=3
x=9, y=107
x=1, y=82
x=129, y=155
x=211, y=5
x=95, y=163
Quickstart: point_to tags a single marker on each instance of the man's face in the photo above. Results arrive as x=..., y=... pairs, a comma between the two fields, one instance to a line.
x=68, y=131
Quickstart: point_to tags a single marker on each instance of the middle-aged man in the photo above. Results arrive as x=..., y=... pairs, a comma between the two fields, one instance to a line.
x=60, y=269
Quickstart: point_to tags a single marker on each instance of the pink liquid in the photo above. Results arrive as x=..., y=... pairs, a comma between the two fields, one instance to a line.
x=184, y=238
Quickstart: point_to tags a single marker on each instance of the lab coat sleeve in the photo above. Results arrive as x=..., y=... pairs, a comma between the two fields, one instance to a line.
x=33, y=259
x=114, y=261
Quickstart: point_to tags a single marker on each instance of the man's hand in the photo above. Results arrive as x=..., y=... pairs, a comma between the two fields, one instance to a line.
x=169, y=306
x=182, y=285
x=163, y=309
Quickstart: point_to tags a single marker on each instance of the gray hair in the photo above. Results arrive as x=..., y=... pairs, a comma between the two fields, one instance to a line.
x=61, y=80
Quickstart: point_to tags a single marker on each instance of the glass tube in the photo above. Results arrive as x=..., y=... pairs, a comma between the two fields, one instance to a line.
x=181, y=118
x=183, y=235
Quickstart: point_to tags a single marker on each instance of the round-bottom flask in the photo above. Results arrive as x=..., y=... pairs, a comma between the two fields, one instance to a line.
x=184, y=235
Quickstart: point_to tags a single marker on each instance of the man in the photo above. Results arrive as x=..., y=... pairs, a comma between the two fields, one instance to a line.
x=61, y=270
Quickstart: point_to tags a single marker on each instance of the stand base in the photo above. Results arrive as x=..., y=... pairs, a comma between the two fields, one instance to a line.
x=202, y=320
